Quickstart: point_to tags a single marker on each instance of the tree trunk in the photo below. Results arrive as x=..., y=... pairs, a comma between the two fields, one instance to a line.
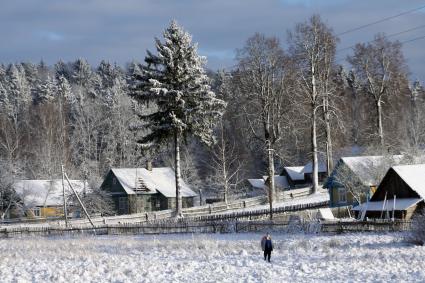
x=178, y=212
x=223, y=158
x=315, y=177
x=380, y=128
x=414, y=118
x=329, y=157
x=271, y=185
x=315, y=171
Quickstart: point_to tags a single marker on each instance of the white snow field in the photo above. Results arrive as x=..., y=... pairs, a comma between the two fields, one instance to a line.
x=212, y=258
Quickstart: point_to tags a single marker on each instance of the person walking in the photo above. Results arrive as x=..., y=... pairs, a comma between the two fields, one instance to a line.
x=267, y=246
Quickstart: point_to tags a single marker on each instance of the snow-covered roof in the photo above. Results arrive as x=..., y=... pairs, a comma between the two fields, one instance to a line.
x=325, y=214
x=256, y=183
x=160, y=180
x=363, y=167
x=280, y=182
x=414, y=176
x=400, y=204
x=295, y=172
x=46, y=192
x=308, y=168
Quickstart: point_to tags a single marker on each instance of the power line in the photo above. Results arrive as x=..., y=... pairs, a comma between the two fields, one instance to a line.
x=414, y=39
x=381, y=20
x=402, y=42
x=391, y=35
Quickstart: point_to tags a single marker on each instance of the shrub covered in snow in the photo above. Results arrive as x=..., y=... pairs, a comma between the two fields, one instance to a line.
x=417, y=234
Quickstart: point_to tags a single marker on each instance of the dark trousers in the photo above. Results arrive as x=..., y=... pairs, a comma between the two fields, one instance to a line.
x=267, y=254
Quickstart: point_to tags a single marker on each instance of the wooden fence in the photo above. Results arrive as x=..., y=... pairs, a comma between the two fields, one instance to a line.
x=199, y=212
x=220, y=207
x=229, y=226
x=377, y=225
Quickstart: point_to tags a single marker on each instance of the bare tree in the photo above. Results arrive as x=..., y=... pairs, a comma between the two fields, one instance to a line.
x=416, y=129
x=381, y=69
x=312, y=49
x=9, y=172
x=94, y=199
x=260, y=78
x=225, y=164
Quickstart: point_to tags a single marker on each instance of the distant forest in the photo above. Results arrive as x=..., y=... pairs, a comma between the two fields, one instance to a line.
x=85, y=118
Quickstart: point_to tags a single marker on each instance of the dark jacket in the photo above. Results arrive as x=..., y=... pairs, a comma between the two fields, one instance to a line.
x=266, y=244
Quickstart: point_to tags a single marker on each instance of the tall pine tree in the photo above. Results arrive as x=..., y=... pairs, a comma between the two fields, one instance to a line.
x=176, y=82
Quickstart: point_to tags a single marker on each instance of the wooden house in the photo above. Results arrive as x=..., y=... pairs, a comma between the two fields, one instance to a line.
x=301, y=176
x=400, y=193
x=258, y=186
x=359, y=175
x=308, y=172
x=136, y=190
x=44, y=198
x=294, y=175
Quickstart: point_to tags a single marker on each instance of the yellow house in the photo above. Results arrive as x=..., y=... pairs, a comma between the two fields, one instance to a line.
x=44, y=198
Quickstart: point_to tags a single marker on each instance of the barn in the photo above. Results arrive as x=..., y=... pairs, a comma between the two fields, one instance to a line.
x=136, y=190
x=400, y=194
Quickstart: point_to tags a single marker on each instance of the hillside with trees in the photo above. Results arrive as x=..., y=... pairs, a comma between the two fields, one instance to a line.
x=285, y=106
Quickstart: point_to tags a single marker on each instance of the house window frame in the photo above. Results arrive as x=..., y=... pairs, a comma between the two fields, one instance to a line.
x=342, y=192
x=157, y=203
x=122, y=203
x=36, y=211
x=114, y=180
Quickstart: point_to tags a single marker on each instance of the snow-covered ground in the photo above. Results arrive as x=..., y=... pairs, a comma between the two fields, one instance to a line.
x=212, y=258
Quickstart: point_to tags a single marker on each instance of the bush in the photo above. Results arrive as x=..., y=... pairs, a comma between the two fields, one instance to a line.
x=417, y=234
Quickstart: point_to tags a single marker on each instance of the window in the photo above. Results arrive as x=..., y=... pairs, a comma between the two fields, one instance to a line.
x=342, y=193
x=114, y=181
x=122, y=204
x=36, y=211
x=158, y=204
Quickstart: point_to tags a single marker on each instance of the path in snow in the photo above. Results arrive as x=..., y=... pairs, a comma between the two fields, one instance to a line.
x=212, y=258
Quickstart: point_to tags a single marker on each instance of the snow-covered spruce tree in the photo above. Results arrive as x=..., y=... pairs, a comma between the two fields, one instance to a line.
x=175, y=81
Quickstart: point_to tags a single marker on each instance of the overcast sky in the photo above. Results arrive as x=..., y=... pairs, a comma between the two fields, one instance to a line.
x=122, y=30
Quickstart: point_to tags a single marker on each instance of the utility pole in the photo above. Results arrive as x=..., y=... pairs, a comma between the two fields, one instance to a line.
x=65, y=212
x=79, y=200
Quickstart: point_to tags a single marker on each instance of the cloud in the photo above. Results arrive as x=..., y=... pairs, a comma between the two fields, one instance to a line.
x=121, y=31
x=49, y=35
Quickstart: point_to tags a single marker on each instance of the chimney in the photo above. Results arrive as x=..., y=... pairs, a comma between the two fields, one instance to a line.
x=149, y=165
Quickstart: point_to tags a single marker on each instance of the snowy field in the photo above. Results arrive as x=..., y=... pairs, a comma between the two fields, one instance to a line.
x=212, y=258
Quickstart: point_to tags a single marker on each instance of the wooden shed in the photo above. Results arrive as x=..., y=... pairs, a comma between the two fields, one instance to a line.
x=400, y=194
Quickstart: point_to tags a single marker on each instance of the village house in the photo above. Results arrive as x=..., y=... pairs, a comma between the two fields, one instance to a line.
x=136, y=190
x=354, y=179
x=44, y=198
x=294, y=175
x=258, y=186
x=301, y=176
x=308, y=172
x=400, y=194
